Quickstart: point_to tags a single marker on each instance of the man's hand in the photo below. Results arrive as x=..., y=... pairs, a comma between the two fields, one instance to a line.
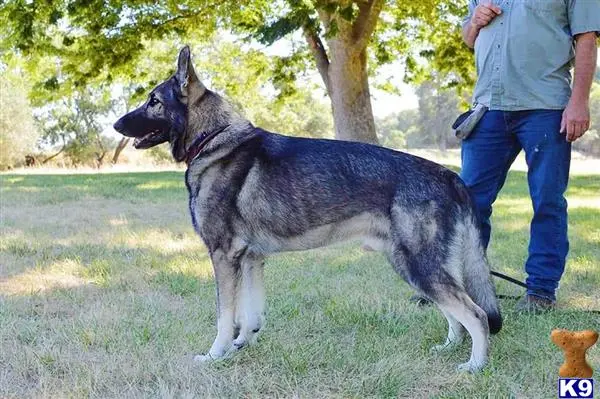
x=484, y=14
x=575, y=119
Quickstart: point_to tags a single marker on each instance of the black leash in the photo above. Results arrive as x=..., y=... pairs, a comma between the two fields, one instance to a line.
x=508, y=278
x=521, y=284
x=511, y=280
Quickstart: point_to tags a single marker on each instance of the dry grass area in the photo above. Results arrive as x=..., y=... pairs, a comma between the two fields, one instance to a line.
x=105, y=291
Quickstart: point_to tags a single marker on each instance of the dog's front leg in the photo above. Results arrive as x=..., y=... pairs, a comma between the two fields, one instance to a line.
x=226, y=278
x=250, y=300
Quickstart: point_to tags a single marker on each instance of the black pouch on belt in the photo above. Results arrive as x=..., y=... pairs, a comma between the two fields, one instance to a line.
x=465, y=123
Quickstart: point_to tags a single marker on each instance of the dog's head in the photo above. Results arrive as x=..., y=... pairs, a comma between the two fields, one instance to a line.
x=164, y=116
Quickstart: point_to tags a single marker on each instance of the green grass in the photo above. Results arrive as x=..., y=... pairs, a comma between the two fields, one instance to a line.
x=105, y=291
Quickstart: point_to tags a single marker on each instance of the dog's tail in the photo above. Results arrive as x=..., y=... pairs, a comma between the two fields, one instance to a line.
x=478, y=280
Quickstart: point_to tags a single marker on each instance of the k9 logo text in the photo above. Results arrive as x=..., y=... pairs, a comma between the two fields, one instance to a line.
x=575, y=388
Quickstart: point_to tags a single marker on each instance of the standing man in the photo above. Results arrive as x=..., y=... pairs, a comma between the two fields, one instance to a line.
x=524, y=50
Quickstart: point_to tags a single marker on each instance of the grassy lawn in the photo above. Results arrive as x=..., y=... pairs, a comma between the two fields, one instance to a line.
x=105, y=291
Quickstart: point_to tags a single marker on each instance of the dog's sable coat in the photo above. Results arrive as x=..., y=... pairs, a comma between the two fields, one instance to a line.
x=253, y=193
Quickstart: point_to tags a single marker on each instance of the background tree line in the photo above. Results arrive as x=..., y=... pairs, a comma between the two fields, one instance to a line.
x=429, y=126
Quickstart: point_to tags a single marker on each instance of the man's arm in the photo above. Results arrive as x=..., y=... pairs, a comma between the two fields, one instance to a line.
x=482, y=15
x=469, y=34
x=576, y=117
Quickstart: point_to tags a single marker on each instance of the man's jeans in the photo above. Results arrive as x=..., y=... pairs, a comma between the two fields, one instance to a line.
x=486, y=157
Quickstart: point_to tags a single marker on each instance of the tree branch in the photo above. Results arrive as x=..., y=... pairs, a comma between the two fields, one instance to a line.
x=176, y=18
x=363, y=27
x=55, y=155
x=325, y=18
x=120, y=147
x=319, y=52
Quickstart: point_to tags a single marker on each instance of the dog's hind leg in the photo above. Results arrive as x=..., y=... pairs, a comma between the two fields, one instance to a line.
x=443, y=289
x=227, y=278
x=250, y=300
x=462, y=308
x=455, y=334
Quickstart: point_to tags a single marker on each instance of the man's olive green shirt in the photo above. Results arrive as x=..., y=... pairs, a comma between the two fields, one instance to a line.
x=524, y=56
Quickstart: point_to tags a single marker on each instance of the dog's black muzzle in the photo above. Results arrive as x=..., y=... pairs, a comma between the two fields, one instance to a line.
x=146, y=131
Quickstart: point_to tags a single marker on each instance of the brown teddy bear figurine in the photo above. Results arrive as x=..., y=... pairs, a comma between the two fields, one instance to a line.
x=574, y=344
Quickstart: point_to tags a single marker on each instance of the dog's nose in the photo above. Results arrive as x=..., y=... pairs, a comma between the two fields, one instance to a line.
x=118, y=125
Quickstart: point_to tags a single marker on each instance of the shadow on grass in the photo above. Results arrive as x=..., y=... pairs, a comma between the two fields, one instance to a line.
x=180, y=272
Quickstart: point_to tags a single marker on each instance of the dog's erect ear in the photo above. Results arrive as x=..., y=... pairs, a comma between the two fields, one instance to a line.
x=190, y=85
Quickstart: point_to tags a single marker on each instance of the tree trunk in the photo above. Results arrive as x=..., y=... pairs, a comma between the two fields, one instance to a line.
x=100, y=159
x=442, y=129
x=120, y=147
x=343, y=67
x=348, y=90
x=443, y=138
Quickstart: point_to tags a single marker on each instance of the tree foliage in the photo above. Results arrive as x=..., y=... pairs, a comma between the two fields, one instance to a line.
x=18, y=133
x=245, y=78
x=74, y=125
x=438, y=108
x=77, y=42
x=430, y=126
x=394, y=128
x=105, y=38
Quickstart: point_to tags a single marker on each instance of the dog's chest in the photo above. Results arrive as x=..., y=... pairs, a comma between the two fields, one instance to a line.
x=200, y=186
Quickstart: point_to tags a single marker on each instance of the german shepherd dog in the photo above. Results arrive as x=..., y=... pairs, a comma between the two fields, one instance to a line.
x=253, y=193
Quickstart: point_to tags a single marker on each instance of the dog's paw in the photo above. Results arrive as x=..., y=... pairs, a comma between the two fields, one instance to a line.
x=208, y=357
x=203, y=358
x=447, y=346
x=246, y=338
x=470, y=367
x=436, y=349
x=239, y=343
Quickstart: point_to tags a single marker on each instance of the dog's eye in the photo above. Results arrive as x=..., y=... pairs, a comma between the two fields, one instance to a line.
x=153, y=101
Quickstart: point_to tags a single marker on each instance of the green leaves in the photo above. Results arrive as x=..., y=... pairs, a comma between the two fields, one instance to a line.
x=275, y=23
x=95, y=39
x=73, y=44
x=75, y=125
x=285, y=70
x=88, y=41
x=348, y=13
x=18, y=132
